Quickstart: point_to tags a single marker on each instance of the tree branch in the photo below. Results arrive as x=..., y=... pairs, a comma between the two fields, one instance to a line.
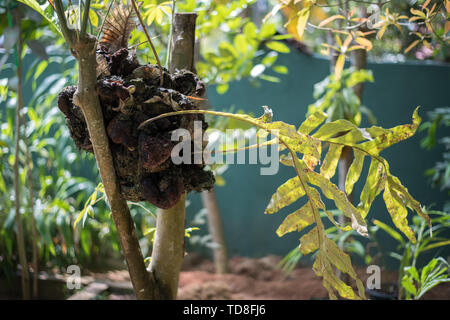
x=83, y=49
x=141, y=21
x=67, y=33
x=84, y=23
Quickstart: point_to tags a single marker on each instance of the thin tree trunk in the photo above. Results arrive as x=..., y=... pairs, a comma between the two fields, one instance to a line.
x=346, y=156
x=33, y=219
x=83, y=48
x=87, y=99
x=213, y=212
x=216, y=230
x=359, y=58
x=182, y=42
x=25, y=278
x=168, y=247
x=359, y=62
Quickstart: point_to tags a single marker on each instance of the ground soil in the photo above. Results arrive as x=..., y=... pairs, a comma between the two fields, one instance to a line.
x=257, y=279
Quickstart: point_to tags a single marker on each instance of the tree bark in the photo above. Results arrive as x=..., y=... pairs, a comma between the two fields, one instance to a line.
x=83, y=47
x=182, y=42
x=168, y=247
x=25, y=278
x=87, y=99
x=359, y=57
x=216, y=231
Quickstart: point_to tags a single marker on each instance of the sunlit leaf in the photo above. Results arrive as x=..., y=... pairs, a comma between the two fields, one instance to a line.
x=287, y=193
x=296, y=221
x=340, y=61
x=365, y=43
x=278, y=46
x=411, y=46
x=312, y=122
x=93, y=18
x=328, y=167
x=37, y=7
x=354, y=171
x=331, y=19
x=303, y=17
x=394, y=234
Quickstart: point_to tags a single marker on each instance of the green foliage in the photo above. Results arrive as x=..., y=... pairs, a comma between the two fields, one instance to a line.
x=230, y=44
x=390, y=30
x=200, y=240
x=370, y=141
x=434, y=273
x=144, y=214
x=440, y=173
x=337, y=98
x=289, y=261
x=428, y=238
x=90, y=203
x=59, y=194
x=46, y=11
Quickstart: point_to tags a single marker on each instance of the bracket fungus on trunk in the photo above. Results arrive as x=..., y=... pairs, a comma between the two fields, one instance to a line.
x=130, y=93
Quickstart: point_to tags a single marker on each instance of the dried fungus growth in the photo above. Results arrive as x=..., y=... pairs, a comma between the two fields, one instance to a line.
x=130, y=94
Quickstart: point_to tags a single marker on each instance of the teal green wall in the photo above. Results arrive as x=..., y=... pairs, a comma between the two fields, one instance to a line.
x=397, y=90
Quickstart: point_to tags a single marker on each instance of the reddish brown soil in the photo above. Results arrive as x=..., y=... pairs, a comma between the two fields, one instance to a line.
x=257, y=279
x=260, y=279
x=248, y=279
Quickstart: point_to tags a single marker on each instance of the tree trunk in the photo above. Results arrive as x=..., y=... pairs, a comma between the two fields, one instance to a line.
x=83, y=47
x=182, y=42
x=359, y=57
x=359, y=62
x=168, y=248
x=213, y=212
x=216, y=231
x=345, y=159
x=87, y=99
x=25, y=278
x=29, y=166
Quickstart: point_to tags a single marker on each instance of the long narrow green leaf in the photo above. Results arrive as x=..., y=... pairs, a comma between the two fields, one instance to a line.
x=38, y=8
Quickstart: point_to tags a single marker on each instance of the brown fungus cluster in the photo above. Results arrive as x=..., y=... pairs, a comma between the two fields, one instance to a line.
x=129, y=94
